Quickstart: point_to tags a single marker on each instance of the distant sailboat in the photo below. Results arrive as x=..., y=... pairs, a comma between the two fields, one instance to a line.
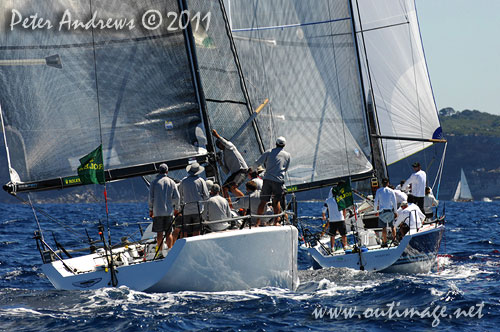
x=462, y=194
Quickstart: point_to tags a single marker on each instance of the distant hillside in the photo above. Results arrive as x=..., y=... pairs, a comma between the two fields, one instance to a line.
x=473, y=145
x=468, y=123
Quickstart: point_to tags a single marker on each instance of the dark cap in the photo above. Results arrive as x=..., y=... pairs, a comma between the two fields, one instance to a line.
x=416, y=164
x=215, y=188
x=163, y=168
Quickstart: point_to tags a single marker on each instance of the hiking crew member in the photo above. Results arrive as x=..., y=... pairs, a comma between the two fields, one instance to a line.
x=429, y=202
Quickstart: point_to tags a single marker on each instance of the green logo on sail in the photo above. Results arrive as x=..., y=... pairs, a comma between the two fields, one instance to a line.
x=91, y=168
x=343, y=195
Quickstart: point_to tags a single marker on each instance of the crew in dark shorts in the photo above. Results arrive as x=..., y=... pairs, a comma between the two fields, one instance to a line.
x=163, y=201
x=336, y=220
x=233, y=163
x=276, y=162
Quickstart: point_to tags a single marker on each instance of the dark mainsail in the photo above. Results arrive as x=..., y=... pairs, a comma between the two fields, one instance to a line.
x=135, y=91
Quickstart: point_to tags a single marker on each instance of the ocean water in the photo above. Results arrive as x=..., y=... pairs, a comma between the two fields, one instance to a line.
x=466, y=275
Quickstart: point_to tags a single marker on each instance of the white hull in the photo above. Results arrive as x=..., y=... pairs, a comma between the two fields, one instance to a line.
x=224, y=261
x=372, y=260
x=407, y=257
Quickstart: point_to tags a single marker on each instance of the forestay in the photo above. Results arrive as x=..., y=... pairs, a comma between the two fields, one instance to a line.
x=301, y=55
x=398, y=74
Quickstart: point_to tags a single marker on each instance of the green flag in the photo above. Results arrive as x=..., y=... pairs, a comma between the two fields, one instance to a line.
x=91, y=168
x=343, y=195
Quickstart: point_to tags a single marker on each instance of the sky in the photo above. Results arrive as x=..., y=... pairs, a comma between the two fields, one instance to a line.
x=462, y=46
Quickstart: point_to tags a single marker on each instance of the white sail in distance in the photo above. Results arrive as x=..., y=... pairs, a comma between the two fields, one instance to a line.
x=463, y=191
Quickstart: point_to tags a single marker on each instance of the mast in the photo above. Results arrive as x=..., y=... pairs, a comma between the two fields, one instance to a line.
x=228, y=27
x=212, y=170
x=378, y=157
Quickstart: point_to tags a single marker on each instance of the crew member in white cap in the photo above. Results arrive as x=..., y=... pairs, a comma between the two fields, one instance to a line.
x=276, y=162
x=163, y=204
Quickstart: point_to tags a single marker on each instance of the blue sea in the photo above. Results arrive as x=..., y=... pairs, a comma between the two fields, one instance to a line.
x=466, y=275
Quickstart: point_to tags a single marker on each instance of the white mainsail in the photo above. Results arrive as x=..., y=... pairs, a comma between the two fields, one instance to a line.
x=395, y=67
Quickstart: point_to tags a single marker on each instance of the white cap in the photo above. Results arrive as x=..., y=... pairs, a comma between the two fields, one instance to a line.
x=210, y=184
x=281, y=141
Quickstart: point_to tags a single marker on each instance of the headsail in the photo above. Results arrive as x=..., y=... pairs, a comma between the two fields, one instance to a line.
x=301, y=55
x=388, y=30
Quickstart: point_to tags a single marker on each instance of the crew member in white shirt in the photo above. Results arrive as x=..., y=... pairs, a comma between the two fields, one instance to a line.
x=418, y=182
x=400, y=196
x=409, y=215
x=335, y=222
x=429, y=202
x=385, y=202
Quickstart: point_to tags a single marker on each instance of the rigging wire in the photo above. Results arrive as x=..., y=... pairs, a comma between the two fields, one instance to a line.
x=114, y=281
x=440, y=171
x=46, y=214
x=36, y=217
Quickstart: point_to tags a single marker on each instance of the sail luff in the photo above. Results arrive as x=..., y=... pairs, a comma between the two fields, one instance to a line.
x=200, y=95
x=378, y=155
x=228, y=25
x=362, y=84
x=457, y=192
